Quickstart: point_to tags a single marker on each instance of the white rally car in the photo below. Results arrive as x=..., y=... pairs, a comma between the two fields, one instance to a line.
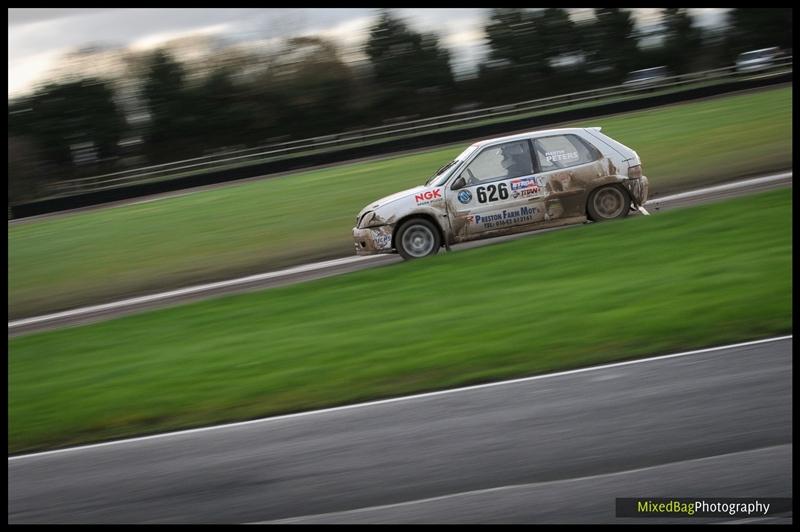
x=506, y=185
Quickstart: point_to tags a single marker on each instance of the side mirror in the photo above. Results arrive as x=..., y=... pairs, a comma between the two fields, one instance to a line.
x=459, y=183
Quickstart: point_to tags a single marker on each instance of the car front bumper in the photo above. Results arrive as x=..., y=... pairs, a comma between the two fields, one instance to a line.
x=373, y=240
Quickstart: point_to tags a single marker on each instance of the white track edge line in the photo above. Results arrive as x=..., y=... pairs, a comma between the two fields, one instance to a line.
x=321, y=265
x=721, y=188
x=402, y=398
x=191, y=289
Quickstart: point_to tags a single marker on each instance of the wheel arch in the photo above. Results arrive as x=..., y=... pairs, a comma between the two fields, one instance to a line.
x=618, y=181
x=424, y=215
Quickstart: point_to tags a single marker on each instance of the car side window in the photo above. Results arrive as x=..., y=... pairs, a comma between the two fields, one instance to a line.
x=503, y=161
x=562, y=151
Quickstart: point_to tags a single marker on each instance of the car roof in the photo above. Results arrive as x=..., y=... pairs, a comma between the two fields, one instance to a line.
x=529, y=134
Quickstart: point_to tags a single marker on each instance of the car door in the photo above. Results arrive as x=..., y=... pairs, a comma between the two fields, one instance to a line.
x=500, y=192
x=567, y=168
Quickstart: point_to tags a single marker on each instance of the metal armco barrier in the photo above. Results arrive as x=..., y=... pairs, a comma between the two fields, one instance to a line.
x=421, y=133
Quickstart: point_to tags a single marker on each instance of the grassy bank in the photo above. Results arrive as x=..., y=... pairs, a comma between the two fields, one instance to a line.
x=244, y=228
x=682, y=279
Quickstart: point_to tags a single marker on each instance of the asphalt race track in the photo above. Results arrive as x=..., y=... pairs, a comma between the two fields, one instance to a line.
x=554, y=448
x=347, y=264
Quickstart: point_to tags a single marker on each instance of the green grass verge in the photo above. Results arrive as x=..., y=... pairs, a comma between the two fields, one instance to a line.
x=686, y=278
x=244, y=228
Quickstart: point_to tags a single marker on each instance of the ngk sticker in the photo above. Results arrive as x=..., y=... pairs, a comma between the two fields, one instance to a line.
x=429, y=196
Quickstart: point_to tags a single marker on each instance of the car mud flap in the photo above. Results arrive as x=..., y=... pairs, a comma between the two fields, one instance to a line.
x=636, y=189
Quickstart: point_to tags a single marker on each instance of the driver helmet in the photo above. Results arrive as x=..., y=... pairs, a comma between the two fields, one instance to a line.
x=511, y=154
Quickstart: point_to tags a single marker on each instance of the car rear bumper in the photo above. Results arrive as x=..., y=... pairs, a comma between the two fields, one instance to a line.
x=373, y=240
x=638, y=189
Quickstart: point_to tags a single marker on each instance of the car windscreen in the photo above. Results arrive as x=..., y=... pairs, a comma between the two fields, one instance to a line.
x=443, y=174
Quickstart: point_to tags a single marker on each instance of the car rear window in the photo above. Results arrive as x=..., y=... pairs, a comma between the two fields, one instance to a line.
x=562, y=151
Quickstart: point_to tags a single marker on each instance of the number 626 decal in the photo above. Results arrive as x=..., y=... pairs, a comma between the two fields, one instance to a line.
x=495, y=192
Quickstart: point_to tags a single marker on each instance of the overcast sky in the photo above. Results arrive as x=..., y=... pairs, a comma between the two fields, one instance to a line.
x=38, y=37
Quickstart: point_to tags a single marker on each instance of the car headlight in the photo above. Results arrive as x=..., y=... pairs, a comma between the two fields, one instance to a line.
x=366, y=219
x=370, y=219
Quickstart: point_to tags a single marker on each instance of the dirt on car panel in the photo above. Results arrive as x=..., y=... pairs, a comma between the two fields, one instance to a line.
x=458, y=226
x=587, y=179
x=565, y=193
x=567, y=203
x=554, y=208
x=557, y=182
x=442, y=207
x=612, y=169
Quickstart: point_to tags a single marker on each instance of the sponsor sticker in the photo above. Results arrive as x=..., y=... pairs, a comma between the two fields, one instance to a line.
x=492, y=193
x=561, y=155
x=465, y=196
x=382, y=240
x=522, y=183
x=503, y=218
x=525, y=186
x=428, y=197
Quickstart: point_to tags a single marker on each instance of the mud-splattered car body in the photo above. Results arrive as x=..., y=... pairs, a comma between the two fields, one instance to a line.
x=505, y=185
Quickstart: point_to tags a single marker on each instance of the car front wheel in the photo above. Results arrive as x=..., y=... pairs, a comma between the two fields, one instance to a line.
x=417, y=238
x=608, y=203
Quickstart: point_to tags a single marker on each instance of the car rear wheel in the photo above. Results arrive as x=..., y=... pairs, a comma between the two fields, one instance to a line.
x=417, y=238
x=608, y=203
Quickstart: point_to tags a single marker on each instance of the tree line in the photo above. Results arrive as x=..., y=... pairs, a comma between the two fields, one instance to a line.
x=170, y=110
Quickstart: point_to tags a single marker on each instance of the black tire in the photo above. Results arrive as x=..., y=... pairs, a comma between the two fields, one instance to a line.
x=417, y=238
x=608, y=202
